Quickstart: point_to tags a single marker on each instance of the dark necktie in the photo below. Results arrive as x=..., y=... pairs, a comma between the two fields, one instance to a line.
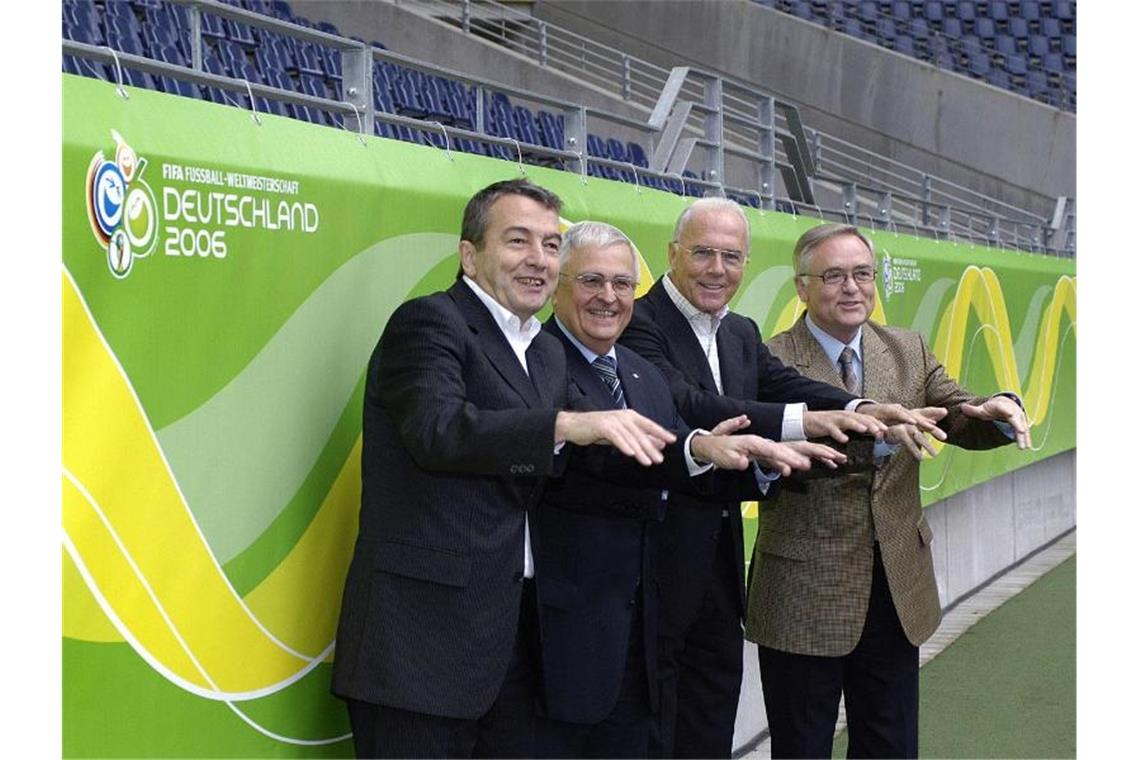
x=846, y=370
x=606, y=367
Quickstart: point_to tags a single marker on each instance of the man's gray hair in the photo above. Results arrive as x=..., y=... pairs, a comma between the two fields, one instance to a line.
x=811, y=239
x=594, y=235
x=713, y=204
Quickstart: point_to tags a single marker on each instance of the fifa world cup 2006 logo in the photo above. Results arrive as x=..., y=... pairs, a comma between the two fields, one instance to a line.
x=121, y=207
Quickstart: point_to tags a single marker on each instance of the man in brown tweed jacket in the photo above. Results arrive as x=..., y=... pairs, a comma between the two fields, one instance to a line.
x=842, y=590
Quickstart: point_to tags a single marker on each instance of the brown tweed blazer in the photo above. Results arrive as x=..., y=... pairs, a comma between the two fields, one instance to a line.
x=811, y=567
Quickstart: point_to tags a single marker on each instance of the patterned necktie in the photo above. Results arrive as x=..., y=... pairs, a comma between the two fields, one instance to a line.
x=847, y=370
x=606, y=367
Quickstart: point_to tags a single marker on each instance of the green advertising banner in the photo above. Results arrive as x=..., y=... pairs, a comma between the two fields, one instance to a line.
x=224, y=283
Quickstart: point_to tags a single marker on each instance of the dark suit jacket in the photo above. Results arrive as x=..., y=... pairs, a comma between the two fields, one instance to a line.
x=594, y=547
x=755, y=383
x=457, y=440
x=811, y=572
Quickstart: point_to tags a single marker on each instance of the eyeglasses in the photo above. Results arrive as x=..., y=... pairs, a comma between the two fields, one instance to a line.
x=592, y=282
x=833, y=277
x=703, y=254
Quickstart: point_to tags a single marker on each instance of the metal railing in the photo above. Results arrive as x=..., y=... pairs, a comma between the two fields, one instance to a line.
x=939, y=206
x=695, y=113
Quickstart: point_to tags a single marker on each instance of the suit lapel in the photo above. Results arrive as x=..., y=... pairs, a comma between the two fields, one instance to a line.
x=878, y=382
x=810, y=358
x=730, y=350
x=494, y=344
x=690, y=356
x=580, y=371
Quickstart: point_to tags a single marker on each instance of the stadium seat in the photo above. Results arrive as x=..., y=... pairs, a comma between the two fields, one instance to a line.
x=932, y=11
x=952, y=28
x=965, y=12
x=999, y=13
x=1019, y=28
x=1006, y=45
x=985, y=28
x=1030, y=11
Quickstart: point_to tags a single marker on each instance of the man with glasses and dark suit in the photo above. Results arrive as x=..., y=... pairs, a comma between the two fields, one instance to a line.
x=842, y=590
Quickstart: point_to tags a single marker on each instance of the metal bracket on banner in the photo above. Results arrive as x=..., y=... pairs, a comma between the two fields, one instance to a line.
x=446, y=140
x=119, y=75
x=252, y=104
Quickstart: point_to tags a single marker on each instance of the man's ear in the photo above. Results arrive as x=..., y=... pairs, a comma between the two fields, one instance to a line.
x=801, y=288
x=467, y=258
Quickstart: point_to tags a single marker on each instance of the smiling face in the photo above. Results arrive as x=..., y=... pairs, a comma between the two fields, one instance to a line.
x=709, y=285
x=596, y=319
x=840, y=309
x=518, y=262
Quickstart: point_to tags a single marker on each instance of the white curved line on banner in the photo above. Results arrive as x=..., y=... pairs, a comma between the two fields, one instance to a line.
x=174, y=480
x=286, y=739
x=215, y=694
x=150, y=660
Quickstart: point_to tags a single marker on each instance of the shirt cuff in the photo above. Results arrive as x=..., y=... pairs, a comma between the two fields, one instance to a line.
x=1005, y=428
x=792, y=428
x=764, y=477
x=883, y=450
x=695, y=467
x=853, y=406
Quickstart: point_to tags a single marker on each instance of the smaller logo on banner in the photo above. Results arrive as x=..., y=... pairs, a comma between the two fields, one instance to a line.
x=897, y=273
x=121, y=207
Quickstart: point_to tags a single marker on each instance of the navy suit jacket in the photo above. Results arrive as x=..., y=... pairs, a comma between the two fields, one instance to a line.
x=755, y=383
x=457, y=442
x=593, y=547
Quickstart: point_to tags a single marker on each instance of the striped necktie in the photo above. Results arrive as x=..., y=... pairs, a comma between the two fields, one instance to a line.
x=847, y=370
x=606, y=367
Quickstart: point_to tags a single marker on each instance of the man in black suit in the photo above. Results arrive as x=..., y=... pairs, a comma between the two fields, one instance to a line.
x=435, y=644
x=717, y=366
x=595, y=530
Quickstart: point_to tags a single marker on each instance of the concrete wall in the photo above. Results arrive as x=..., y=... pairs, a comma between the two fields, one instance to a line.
x=990, y=140
x=440, y=44
x=977, y=534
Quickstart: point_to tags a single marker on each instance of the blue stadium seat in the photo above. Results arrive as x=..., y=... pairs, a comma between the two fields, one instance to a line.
x=1069, y=46
x=1019, y=28
x=965, y=12
x=551, y=130
x=999, y=13
x=213, y=27
x=1037, y=85
x=1053, y=63
x=1015, y=65
x=904, y=44
x=1051, y=27
x=900, y=10
x=84, y=68
x=998, y=78
x=919, y=29
x=979, y=65
x=1006, y=45
x=1030, y=10
x=952, y=28
x=242, y=34
x=125, y=42
x=526, y=125
x=985, y=28
x=1038, y=46
x=932, y=11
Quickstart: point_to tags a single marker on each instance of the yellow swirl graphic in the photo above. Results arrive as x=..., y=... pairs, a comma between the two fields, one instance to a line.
x=136, y=546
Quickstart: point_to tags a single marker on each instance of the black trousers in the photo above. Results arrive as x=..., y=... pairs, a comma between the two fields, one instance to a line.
x=625, y=731
x=879, y=680
x=700, y=666
x=505, y=730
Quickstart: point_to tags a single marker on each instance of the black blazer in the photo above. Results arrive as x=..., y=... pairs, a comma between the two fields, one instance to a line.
x=457, y=442
x=755, y=383
x=593, y=547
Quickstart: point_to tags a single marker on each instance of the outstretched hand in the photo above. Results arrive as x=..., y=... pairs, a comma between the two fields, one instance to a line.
x=624, y=429
x=836, y=424
x=1002, y=409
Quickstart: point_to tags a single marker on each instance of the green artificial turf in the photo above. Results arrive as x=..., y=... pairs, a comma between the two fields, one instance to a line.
x=1008, y=686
